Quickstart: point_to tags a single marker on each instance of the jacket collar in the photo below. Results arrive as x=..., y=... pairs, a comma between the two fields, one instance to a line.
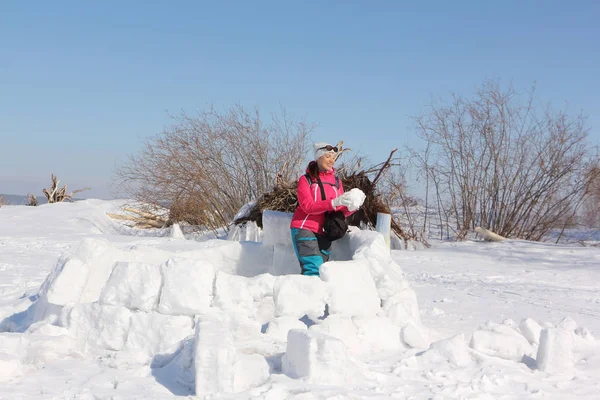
x=325, y=173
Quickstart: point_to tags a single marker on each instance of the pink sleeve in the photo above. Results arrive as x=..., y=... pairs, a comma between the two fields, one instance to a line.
x=307, y=201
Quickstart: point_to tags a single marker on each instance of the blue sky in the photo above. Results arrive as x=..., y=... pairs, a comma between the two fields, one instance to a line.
x=81, y=83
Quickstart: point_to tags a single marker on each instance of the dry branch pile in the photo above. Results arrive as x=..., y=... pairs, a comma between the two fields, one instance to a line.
x=282, y=198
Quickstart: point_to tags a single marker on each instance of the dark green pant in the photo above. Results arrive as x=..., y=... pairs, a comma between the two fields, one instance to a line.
x=311, y=249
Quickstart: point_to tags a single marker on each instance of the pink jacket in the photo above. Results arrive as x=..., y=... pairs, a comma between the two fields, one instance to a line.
x=310, y=213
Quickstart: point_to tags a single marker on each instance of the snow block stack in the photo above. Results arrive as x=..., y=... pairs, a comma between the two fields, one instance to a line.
x=217, y=365
x=555, y=349
x=215, y=310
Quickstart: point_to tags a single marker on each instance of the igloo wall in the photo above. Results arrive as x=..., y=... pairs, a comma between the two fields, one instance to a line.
x=215, y=310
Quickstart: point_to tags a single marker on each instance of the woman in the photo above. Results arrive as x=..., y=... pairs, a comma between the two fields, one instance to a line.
x=311, y=246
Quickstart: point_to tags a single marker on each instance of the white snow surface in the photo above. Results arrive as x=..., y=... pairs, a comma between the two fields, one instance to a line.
x=91, y=309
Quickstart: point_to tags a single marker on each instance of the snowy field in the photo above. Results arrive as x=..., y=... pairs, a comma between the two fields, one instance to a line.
x=90, y=309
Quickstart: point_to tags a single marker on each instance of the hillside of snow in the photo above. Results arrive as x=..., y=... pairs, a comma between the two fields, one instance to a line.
x=91, y=309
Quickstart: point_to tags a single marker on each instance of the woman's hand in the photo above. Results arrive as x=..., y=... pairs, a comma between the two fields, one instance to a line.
x=352, y=200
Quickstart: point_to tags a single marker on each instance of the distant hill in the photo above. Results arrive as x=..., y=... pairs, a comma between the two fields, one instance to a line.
x=19, y=200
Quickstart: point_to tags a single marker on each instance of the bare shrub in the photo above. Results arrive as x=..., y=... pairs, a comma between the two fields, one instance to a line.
x=590, y=215
x=207, y=166
x=498, y=162
x=3, y=202
x=406, y=209
x=31, y=200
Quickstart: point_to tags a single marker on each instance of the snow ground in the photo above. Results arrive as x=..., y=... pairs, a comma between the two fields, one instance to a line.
x=499, y=320
x=461, y=285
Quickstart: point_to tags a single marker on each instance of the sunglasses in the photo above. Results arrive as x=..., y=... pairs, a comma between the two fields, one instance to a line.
x=329, y=148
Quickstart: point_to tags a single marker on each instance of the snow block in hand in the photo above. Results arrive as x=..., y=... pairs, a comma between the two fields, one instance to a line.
x=319, y=358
